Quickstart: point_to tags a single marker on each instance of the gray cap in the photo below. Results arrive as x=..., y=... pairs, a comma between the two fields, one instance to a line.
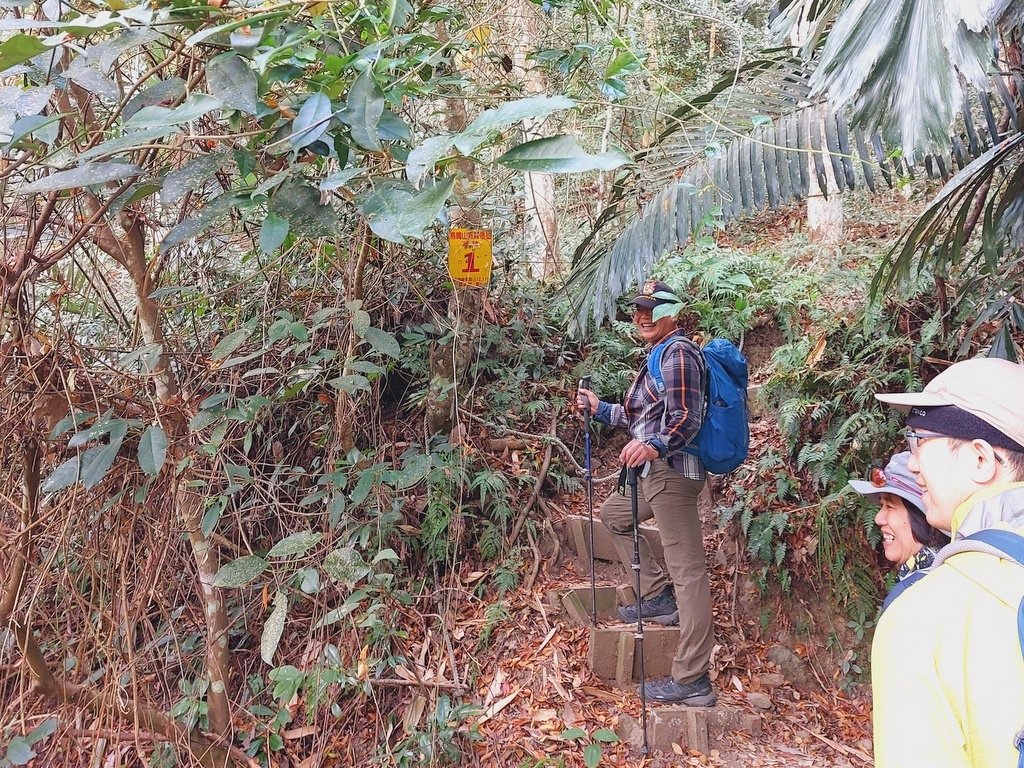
x=898, y=480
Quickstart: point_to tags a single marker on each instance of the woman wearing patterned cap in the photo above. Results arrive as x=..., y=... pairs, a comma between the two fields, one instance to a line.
x=908, y=541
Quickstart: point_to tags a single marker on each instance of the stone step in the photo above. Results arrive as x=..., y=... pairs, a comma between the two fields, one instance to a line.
x=615, y=658
x=697, y=728
x=578, y=530
x=576, y=601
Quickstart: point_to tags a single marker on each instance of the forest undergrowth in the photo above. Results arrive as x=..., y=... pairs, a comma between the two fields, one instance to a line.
x=384, y=589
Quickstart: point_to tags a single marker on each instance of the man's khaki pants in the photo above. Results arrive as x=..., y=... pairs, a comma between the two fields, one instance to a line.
x=671, y=500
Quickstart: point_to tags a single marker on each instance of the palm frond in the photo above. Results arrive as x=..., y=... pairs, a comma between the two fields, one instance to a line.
x=898, y=65
x=735, y=153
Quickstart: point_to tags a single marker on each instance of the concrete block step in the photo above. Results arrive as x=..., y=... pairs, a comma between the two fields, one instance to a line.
x=578, y=530
x=614, y=654
x=697, y=728
x=576, y=600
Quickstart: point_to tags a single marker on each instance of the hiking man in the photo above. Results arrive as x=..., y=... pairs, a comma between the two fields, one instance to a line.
x=660, y=426
x=946, y=666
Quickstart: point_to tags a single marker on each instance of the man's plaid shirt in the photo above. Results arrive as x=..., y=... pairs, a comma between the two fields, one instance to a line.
x=668, y=423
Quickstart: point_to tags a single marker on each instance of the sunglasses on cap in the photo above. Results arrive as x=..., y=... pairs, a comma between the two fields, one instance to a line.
x=879, y=478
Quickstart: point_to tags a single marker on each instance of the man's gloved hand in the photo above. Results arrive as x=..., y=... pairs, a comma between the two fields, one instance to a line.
x=636, y=454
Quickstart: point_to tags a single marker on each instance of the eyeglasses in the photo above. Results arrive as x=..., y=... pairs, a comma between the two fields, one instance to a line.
x=880, y=479
x=914, y=439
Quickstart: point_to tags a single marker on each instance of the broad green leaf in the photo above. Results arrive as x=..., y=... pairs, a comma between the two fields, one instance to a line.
x=392, y=128
x=365, y=106
x=360, y=321
x=164, y=91
x=97, y=461
x=230, y=343
x=103, y=426
x=665, y=310
x=386, y=555
x=212, y=514
x=19, y=751
x=42, y=731
x=273, y=233
x=26, y=126
x=574, y=734
x=299, y=204
x=84, y=176
x=413, y=471
x=240, y=571
x=396, y=214
x=623, y=64
x=424, y=157
x=592, y=755
x=64, y=476
x=274, y=628
x=511, y=112
x=85, y=73
x=398, y=12
x=309, y=580
x=560, y=154
x=312, y=122
x=346, y=565
x=233, y=82
x=152, y=449
x=337, y=614
x=296, y=544
x=216, y=209
x=383, y=341
x=127, y=142
x=351, y=383
x=71, y=421
x=230, y=26
x=246, y=39
x=605, y=735
x=613, y=88
x=194, y=107
x=18, y=49
x=339, y=179
x=190, y=177
x=287, y=680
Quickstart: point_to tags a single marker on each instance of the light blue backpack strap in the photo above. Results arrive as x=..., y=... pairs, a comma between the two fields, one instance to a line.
x=1012, y=546
x=654, y=364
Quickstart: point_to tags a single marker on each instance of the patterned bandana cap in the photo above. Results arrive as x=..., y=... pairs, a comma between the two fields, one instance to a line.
x=646, y=298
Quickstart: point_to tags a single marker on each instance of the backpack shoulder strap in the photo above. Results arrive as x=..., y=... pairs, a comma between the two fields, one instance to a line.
x=654, y=359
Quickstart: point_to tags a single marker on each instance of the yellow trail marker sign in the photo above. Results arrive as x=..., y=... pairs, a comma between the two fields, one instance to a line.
x=469, y=256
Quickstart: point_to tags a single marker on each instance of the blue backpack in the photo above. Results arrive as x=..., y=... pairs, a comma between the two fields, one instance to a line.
x=723, y=441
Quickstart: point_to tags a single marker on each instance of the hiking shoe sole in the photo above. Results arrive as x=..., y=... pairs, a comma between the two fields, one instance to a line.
x=708, y=700
x=668, y=620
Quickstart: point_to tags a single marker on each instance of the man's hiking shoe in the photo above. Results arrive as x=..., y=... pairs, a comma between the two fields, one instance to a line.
x=699, y=693
x=661, y=609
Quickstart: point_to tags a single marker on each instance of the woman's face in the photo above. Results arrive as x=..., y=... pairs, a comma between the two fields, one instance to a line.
x=898, y=541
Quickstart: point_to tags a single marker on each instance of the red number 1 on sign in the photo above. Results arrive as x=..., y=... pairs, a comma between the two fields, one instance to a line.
x=471, y=262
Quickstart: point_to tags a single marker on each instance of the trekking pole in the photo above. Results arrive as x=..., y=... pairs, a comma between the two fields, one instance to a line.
x=589, y=479
x=639, y=634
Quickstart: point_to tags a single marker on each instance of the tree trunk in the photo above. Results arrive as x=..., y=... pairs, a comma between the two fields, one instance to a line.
x=540, y=238
x=825, y=218
x=448, y=364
